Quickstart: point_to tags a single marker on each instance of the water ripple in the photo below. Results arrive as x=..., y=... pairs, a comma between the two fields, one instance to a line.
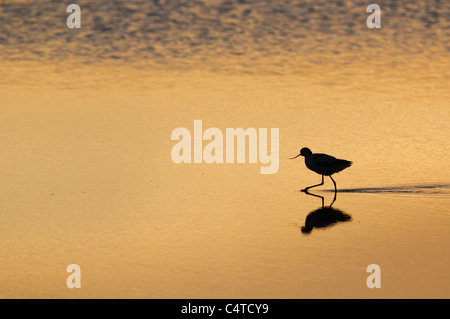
x=405, y=189
x=220, y=34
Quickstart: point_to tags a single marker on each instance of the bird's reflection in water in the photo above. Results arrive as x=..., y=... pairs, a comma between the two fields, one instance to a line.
x=324, y=216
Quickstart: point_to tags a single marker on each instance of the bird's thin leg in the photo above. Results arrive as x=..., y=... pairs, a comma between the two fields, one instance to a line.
x=309, y=187
x=334, y=199
x=321, y=197
x=335, y=188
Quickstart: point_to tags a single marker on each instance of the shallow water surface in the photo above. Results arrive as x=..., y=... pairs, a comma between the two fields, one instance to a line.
x=86, y=174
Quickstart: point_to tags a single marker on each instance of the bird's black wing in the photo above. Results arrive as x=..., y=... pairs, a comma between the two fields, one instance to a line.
x=324, y=159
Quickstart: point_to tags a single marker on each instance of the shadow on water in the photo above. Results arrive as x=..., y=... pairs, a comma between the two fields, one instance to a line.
x=405, y=189
x=323, y=217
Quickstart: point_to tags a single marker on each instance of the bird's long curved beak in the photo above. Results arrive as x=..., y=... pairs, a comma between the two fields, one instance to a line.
x=294, y=157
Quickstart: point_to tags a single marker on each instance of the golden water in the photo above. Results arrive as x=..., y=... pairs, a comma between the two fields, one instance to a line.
x=86, y=175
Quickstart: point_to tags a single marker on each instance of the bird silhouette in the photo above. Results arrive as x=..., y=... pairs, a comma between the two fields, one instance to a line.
x=324, y=217
x=323, y=164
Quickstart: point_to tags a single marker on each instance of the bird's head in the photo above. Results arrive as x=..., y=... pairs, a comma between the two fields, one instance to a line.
x=303, y=152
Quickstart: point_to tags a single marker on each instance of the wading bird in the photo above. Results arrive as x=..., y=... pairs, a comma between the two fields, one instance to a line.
x=322, y=164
